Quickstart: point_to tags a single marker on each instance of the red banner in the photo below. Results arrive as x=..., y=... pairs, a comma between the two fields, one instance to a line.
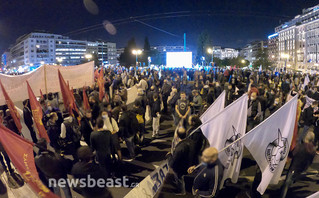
x=20, y=152
x=295, y=135
x=13, y=111
x=37, y=114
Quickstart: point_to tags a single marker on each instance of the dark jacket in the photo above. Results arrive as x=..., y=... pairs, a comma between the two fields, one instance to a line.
x=52, y=165
x=128, y=124
x=86, y=129
x=10, y=124
x=54, y=131
x=199, y=141
x=81, y=170
x=303, y=156
x=183, y=157
x=27, y=116
x=307, y=116
x=205, y=179
x=101, y=142
x=156, y=108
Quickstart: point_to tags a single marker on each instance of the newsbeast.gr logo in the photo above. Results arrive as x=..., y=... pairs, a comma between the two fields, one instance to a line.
x=234, y=151
x=276, y=151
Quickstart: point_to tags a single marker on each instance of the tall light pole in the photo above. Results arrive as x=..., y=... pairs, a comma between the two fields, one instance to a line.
x=88, y=56
x=211, y=51
x=136, y=52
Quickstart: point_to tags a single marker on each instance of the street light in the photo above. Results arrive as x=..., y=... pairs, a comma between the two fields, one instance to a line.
x=59, y=60
x=41, y=62
x=88, y=56
x=136, y=52
x=243, y=61
x=211, y=51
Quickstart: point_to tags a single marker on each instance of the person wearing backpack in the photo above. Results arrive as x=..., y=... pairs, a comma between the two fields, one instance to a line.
x=71, y=134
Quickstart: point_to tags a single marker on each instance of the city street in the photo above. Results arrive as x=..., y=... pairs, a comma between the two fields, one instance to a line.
x=154, y=154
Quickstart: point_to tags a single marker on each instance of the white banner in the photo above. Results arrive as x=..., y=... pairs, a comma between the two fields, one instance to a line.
x=225, y=128
x=214, y=108
x=16, y=86
x=309, y=102
x=131, y=95
x=269, y=143
x=149, y=186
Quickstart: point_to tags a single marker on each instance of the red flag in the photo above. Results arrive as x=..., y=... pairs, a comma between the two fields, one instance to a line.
x=42, y=97
x=20, y=152
x=37, y=114
x=96, y=74
x=67, y=98
x=13, y=111
x=86, y=104
x=100, y=82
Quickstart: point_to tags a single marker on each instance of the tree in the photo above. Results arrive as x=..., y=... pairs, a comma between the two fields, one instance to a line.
x=204, y=41
x=262, y=59
x=146, y=51
x=127, y=58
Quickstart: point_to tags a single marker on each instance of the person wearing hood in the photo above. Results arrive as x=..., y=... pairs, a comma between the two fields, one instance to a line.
x=27, y=116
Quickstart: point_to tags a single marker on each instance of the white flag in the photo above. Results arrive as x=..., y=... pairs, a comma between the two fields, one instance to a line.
x=214, y=108
x=305, y=82
x=226, y=127
x=260, y=68
x=270, y=141
x=309, y=102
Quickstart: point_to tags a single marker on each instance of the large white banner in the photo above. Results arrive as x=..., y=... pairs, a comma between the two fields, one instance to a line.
x=225, y=128
x=269, y=143
x=149, y=186
x=214, y=108
x=16, y=86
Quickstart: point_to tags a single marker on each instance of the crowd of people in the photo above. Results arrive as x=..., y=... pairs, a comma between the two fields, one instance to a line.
x=93, y=137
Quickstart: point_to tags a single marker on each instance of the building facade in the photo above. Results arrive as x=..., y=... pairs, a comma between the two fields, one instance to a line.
x=273, y=48
x=39, y=48
x=298, y=41
x=249, y=52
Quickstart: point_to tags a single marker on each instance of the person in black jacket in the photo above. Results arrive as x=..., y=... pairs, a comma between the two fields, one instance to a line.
x=308, y=119
x=101, y=142
x=54, y=130
x=275, y=106
x=166, y=90
x=253, y=111
x=9, y=122
x=155, y=112
x=87, y=126
x=86, y=167
x=54, y=167
x=27, y=116
x=197, y=136
x=204, y=184
x=302, y=157
x=182, y=158
x=127, y=127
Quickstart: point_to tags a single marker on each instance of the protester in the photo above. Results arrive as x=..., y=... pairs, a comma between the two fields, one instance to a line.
x=182, y=108
x=302, y=157
x=27, y=116
x=86, y=168
x=102, y=143
x=208, y=175
x=53, y=167
x=156, y=116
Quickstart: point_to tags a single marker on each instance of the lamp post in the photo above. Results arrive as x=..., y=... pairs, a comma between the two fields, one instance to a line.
x=88, y=56
x=136, y=52
x=211, y=51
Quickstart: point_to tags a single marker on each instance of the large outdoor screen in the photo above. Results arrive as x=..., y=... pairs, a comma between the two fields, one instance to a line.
x=179, y=59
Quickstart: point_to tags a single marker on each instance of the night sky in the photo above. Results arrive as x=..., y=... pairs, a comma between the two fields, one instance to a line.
x=231, y=23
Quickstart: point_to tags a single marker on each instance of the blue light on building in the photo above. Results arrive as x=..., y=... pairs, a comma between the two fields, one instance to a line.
x=284, y=26
x=272, y=35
